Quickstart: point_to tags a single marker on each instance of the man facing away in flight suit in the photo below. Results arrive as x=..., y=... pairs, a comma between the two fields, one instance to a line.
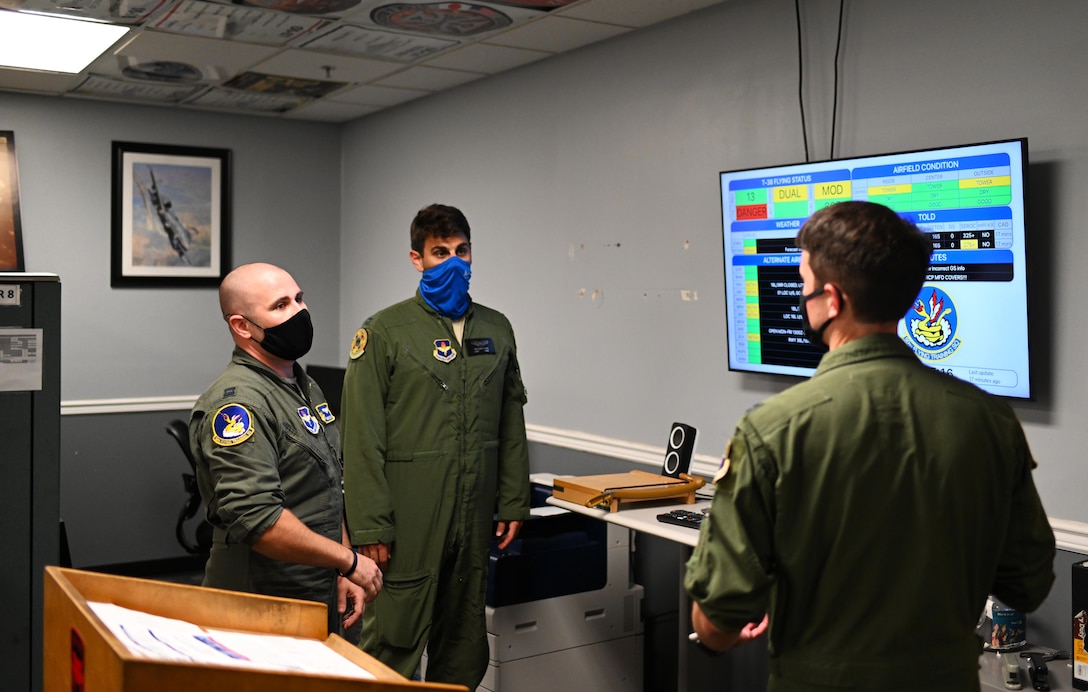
x=861, y=517
x=434, y=450
x=267, y=453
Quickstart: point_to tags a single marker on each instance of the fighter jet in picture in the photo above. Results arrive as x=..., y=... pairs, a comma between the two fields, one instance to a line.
x=181, y=237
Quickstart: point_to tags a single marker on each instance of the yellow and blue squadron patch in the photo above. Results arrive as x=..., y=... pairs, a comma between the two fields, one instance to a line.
x=231, y=425
x=324, y=413
x=358, y=343
x=444, y=351
x=724, y=468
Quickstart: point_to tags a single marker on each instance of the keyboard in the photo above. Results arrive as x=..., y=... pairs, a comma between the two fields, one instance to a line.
x=682, y=517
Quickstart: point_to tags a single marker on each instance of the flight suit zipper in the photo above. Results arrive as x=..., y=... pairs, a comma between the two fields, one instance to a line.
x=430, y=372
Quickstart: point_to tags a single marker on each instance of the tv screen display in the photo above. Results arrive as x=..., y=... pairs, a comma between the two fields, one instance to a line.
x=971, y=316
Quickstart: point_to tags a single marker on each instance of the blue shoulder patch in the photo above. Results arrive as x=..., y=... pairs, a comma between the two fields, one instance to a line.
x=232, y=424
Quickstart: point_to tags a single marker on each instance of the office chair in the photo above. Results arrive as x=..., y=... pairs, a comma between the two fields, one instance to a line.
x=202, y=539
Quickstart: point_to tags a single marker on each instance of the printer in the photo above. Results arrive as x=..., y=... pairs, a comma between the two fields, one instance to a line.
x=562, y=611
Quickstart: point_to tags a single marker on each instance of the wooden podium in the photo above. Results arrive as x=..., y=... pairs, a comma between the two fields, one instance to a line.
x=108, y=665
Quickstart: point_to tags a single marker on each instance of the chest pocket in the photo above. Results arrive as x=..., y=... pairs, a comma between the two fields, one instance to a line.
x=488, y=385
x=418, y=375
x=302, y=452
x=310, y=478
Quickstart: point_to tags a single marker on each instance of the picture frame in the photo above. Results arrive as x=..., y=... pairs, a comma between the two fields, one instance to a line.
x=170, y=212
x=11, y=228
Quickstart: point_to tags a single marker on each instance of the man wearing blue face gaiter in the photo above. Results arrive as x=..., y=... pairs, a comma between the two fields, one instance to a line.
x=434, y=451
x=445, y=287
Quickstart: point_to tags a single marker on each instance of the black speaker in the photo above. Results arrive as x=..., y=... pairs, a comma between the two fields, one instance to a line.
x=679, y=450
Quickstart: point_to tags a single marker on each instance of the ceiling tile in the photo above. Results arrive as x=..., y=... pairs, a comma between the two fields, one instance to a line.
x=429, y=78
x=230, y=22
x=634, y=14
x=330, y=111
x=246, y=101
x=97, y=86
x=467, y=21
x=556, y=34
x=364, y=42
x=311, y=65
x=377, y=95
x=41, y=82
x=481, y=57
x=157, y=45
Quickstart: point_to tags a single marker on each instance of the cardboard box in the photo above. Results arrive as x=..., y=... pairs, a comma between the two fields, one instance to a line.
x=1080, y=625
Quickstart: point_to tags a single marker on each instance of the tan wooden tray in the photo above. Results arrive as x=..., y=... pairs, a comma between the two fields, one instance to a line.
x=612, y=489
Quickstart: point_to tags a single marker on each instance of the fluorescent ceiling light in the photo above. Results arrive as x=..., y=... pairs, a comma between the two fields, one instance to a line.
x=53, y=44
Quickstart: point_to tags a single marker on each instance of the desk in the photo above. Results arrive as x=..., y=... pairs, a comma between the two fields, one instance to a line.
x=642, y=517
x=1060, y=673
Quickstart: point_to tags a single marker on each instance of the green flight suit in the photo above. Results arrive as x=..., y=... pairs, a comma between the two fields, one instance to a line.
x=279, y=450
x=434, y=449
x=869, y=511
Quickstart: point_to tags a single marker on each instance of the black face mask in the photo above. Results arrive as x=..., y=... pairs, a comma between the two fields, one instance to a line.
x=815, y=335
x=289, y=340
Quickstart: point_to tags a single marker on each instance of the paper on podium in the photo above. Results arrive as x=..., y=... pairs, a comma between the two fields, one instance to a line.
x=167, y=639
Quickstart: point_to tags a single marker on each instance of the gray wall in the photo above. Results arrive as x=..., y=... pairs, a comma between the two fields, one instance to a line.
x=591, y=183
x=124, y=343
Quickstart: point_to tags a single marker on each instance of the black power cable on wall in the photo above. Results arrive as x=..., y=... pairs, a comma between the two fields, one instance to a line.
x=801, y=78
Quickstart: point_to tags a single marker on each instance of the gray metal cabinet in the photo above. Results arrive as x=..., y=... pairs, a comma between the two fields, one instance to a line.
x=29, y=466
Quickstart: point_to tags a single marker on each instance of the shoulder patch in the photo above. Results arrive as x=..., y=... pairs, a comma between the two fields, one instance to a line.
x=232, y=424
x=358, y=343
x=724, y=468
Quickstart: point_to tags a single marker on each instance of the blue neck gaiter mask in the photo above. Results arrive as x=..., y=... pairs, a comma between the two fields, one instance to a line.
x=445, y=287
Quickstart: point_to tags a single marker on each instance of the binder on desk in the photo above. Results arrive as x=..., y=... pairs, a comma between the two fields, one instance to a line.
x=613, y=489
x=81, y=652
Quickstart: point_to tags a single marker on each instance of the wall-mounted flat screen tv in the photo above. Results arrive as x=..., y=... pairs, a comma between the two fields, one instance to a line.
x=971, y=316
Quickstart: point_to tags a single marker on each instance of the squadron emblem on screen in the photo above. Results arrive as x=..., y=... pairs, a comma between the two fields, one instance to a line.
x=932, y=324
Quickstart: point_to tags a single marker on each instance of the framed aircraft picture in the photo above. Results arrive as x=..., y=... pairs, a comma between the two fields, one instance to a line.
x=11, y=232
x=170, y=216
